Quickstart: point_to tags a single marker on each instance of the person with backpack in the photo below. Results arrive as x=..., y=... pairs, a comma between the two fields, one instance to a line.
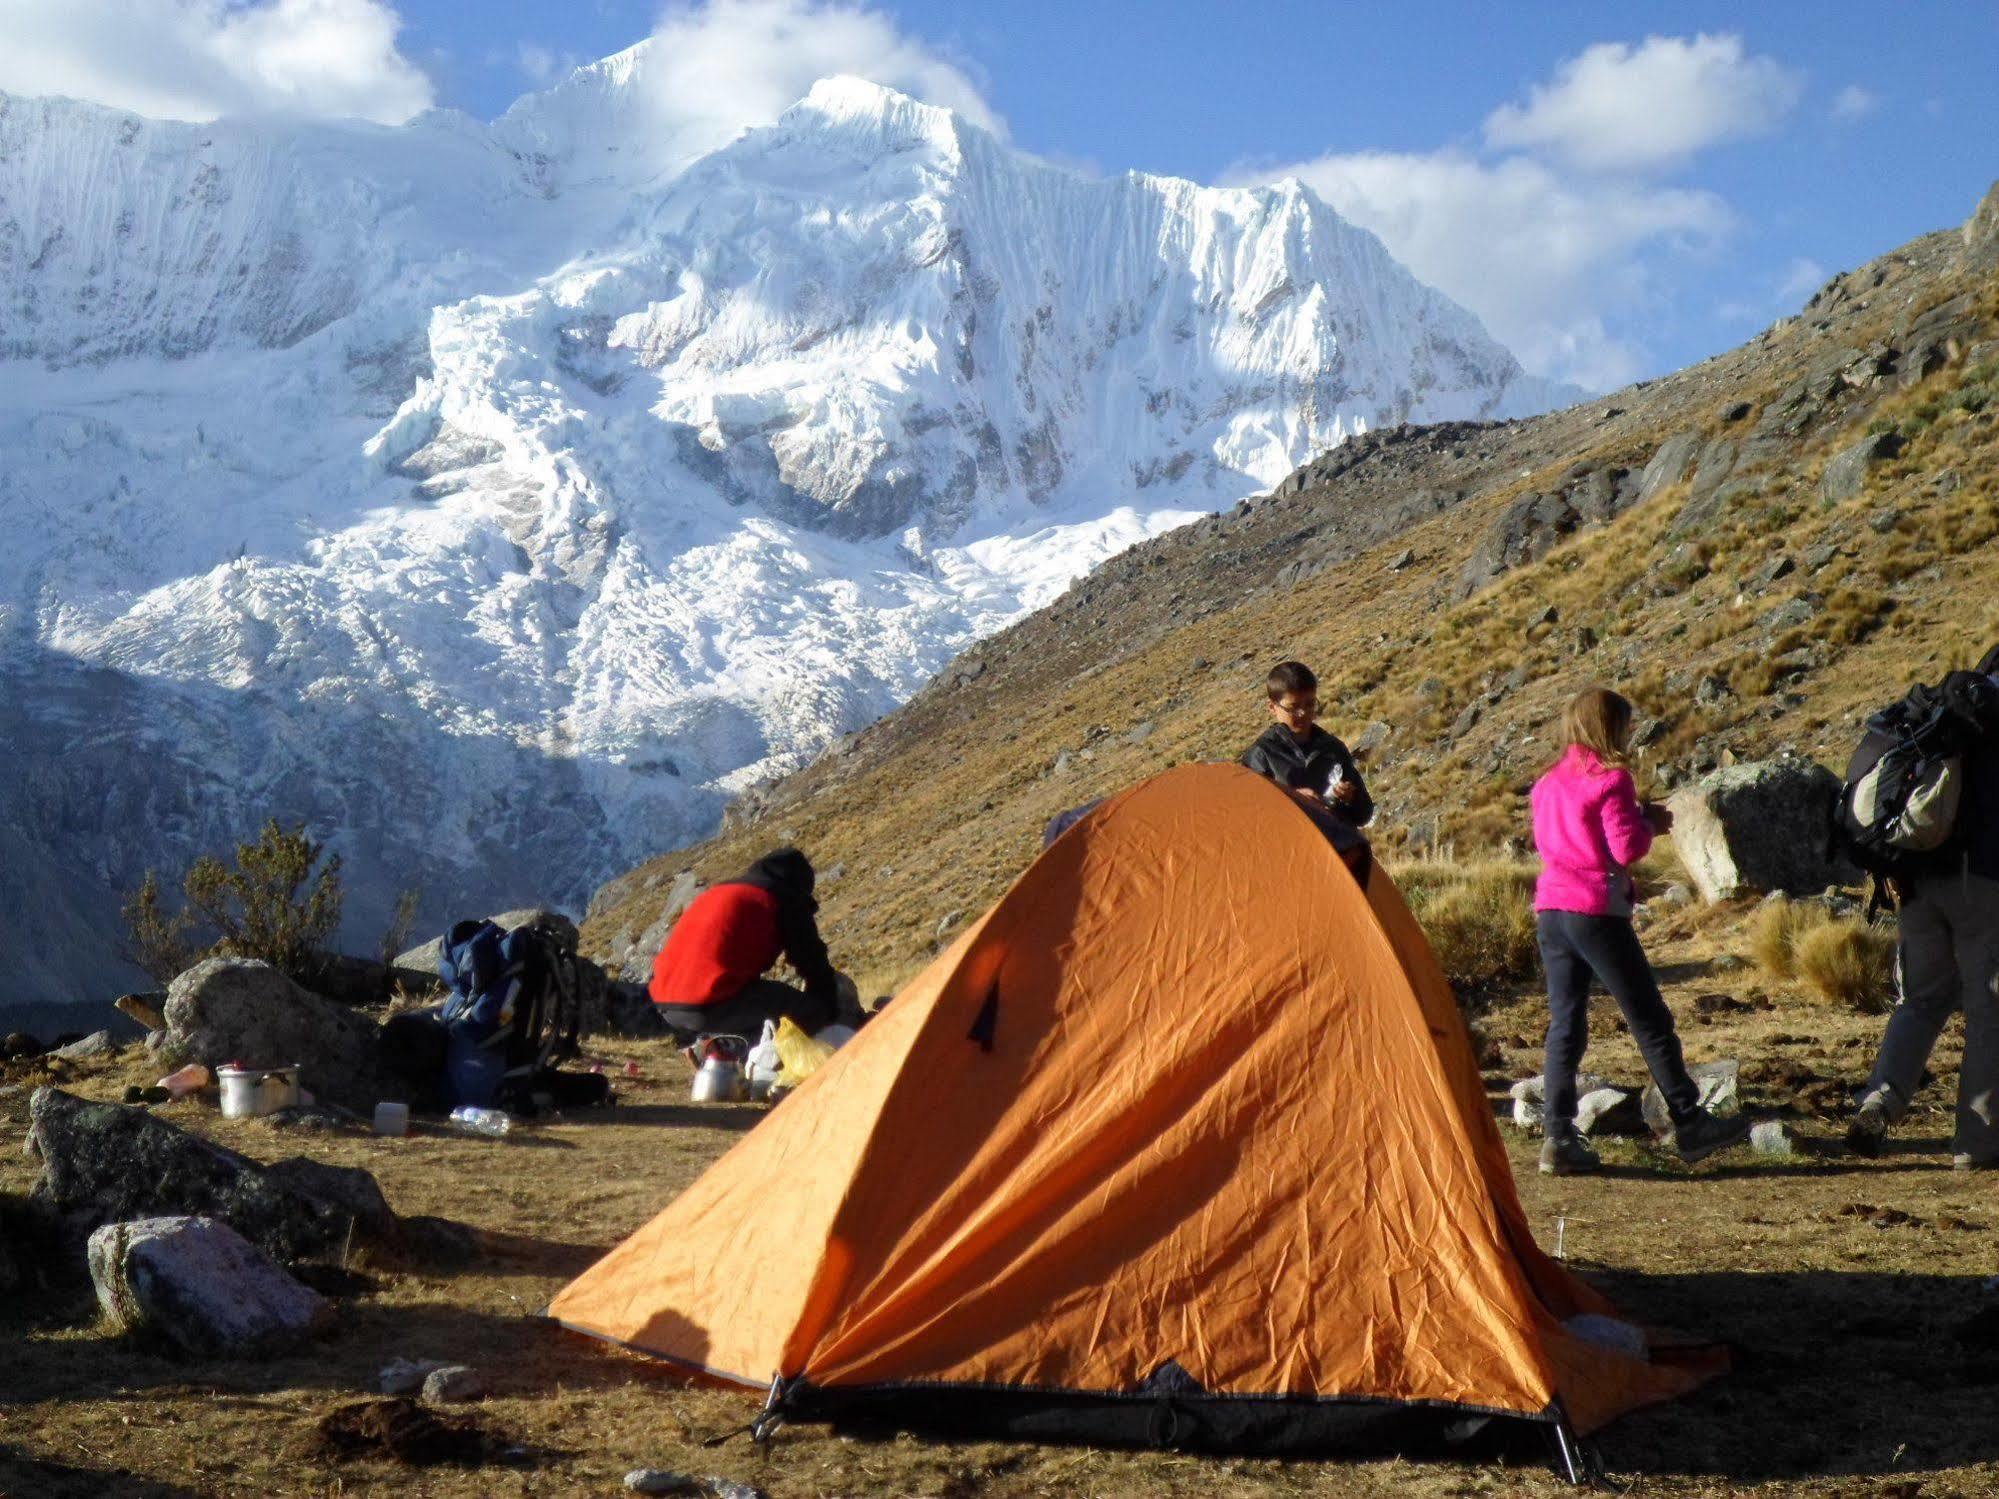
x=1590, y=828
x=1920, y=811
x=709, y=977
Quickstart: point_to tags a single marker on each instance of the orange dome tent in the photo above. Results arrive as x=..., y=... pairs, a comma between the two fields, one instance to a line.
x=1182, y=1142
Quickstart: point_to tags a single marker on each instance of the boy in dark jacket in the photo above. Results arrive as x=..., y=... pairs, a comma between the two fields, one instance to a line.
x=709, y=976
x=1300, y=756
x=1948, y=959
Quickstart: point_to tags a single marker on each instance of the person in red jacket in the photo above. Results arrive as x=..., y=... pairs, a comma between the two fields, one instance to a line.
x=709, y=976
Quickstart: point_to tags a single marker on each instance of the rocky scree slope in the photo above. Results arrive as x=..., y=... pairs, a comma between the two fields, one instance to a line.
x=499, y=498
x=1758, y=549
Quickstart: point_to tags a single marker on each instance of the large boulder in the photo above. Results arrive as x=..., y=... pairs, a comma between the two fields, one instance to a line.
x=106, y=1163
x=201, y=1287
x=1525, y=531
x=1669, y=465
x=1981, y=230
x=1759, y=827
x=241, y=1010
x=1846, y=472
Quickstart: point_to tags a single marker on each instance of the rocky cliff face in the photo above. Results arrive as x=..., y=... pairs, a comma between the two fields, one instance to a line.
x=500, y=499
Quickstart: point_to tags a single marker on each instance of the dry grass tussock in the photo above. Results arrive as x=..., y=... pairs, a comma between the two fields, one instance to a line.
x=1478, y=916
x=1850, y=963
x=1844, y=960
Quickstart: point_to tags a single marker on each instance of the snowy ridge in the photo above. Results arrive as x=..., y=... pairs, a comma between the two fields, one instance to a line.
x=499, y=498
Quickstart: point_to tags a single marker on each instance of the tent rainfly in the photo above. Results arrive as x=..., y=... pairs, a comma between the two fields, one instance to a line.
x=1182, y=1143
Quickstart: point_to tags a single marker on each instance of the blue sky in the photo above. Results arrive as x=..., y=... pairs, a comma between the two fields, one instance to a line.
x=1616, y=190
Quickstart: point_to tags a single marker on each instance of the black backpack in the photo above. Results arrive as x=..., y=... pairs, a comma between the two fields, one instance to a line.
x=1897, y=811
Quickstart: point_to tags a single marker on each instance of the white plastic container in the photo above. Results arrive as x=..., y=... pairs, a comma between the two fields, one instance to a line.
x=392, y=1118
x=252, y=1092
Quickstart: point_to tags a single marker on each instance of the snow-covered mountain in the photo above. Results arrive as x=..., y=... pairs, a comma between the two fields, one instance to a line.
x=499, y=498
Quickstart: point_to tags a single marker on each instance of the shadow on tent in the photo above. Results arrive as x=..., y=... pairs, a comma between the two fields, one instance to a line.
x=1837, y=1374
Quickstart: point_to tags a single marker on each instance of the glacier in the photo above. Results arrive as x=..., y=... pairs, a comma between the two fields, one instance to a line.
x=500, y=498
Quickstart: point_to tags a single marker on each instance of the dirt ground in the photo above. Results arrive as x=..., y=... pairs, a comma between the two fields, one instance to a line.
x=1845, y=1286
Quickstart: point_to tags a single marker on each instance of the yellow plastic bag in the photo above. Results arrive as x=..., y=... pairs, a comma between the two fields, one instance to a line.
x=798, y=1055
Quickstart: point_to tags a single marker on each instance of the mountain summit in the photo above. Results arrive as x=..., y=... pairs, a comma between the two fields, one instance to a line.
x=500, y=498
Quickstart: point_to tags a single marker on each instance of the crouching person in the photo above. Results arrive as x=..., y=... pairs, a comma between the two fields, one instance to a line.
x=1590, y=828
x=709, y=977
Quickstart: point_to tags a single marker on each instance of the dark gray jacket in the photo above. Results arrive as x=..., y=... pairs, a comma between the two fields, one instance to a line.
x=1311, y=766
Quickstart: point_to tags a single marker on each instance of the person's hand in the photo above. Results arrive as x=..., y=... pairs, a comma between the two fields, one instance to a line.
x=1306, y=793
x=1660, y=816
x=1345, y=792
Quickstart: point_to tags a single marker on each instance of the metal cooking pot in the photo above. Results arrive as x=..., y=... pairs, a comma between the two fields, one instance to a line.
x=720, y=1078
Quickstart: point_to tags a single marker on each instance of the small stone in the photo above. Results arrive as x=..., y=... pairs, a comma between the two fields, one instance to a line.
x=1371, y=739
x=1675, y=895
x=1199, y=663
x=454, y=1382
x=1402, y=559
x=1139, y=732
x=1466, y=721
x=1718, y=1083
x=1820, y=556
x=729, y=1488
x=1547, y=616
x=662, y=1481
x=1712, y=691
x=1061, y=765
x=1735, y=411
x=1882, y=521
x=948, y=923
x=1775, y=568
x=1770, y=1138
x=405, y=1376
x=1609, y=1111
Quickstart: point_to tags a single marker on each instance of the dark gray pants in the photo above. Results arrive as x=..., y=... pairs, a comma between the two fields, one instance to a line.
x=1948, y=957
x=744, y=1012
x=1574, y=949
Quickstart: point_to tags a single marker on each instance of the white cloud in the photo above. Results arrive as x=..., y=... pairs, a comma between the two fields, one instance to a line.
x=1854, y=103
x=719, y=67
x=197, y=59
x=544, y=65
x=1801, y=278
x=1540, y=258
x=1622, y=107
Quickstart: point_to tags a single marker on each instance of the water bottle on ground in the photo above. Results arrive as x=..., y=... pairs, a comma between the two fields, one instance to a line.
x=481, y=1121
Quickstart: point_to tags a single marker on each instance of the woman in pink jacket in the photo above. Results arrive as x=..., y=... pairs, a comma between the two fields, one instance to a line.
x=1590, y=828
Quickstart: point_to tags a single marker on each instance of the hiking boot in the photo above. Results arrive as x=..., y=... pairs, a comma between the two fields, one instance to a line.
x=1567, y=1155
x=1704, y=1134
x=1868, y=1131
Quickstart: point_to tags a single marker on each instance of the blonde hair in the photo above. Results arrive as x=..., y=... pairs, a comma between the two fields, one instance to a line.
x=1600, y=721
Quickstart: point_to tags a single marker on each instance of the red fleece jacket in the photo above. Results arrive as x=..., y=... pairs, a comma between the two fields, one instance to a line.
x=727, y=937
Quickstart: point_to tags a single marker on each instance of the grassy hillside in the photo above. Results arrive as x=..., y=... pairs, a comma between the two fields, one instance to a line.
x=1752, y=616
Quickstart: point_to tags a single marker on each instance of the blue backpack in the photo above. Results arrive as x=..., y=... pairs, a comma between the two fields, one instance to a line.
x=512, y=1005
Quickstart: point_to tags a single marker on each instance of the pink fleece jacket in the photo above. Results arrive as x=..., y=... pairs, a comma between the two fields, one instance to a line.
x=1589, y=831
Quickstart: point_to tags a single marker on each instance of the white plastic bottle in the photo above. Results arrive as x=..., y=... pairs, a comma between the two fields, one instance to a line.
x=481, y=1121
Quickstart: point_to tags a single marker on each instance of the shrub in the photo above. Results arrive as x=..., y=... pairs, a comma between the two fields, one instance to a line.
x=1775, y=933
x=280, y=903
x=1850, y=963
x=1479, y=919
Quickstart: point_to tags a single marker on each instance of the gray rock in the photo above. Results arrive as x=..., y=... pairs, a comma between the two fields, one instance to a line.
x=316, y=1119
x=1792, y=614
x=1981, y=231
x=1718, y=1083
x=1528, y=1093
x=1846, y=473
x=1717, y=465
x=1609, y=1111
x=1712, y=691
x=346, y=1189
x=198, y=1285
x=1780, y=566
x=236, y=1009
x=1139, y=732
x=1674, y=896
x=405, y=1376
x=96, y=1044
x=1466, y=721
x=1669, y=465
x=1525, y=531
x=1402, y=559
x=104, y=1163
x=454, y=1382
x=729, y=1488
x=1370, y=739
x=144, y=1008
x=1819, y=557
x=1757, y=827
x=1769, y=1137
x=662, y=1481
